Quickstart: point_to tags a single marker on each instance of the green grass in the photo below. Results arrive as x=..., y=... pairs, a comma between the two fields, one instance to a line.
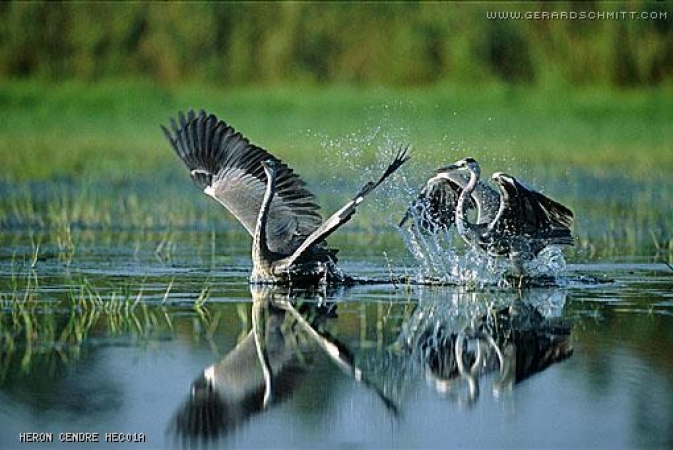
x=101, y=160
x=112, y=130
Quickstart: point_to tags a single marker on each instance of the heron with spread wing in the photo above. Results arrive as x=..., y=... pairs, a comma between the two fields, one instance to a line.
x=267, y=198
x=518, y=222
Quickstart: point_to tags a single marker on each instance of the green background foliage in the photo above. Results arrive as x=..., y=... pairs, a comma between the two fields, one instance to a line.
x=401, y=43
x=580, y=108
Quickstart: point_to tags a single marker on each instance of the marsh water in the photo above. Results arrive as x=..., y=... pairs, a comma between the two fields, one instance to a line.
x=151, y=332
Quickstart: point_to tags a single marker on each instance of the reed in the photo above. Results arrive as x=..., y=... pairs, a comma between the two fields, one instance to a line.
x=40, y=327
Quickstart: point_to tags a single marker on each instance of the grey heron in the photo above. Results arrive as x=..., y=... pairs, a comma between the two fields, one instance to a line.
x=267, y=198
x=435, y=206
x=518, y=223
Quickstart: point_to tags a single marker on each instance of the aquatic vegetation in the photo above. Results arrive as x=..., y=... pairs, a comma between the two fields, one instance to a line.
x=38, y=323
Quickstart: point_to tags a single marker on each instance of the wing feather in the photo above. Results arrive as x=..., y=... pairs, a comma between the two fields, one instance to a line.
x=224, y=164
x=530, y=213
x=346, y=212
x=436, y=203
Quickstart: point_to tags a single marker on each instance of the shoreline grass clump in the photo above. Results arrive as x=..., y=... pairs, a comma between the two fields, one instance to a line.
x=611, y=221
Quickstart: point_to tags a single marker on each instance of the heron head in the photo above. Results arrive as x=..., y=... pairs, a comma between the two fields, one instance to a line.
x=502, y=177
x=269, y=164
x=468, y=163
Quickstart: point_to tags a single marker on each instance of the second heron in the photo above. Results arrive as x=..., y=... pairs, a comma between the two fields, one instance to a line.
x=518, y=222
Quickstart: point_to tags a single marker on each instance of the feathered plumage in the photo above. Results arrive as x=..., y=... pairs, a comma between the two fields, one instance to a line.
x=263, y=193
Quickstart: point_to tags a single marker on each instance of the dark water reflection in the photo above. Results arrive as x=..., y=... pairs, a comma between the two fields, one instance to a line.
x=451, y=343
x=582, y=365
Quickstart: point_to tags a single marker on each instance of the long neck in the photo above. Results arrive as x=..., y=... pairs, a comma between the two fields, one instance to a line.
x=259, y=308
x=462, y=223
x=260, y=249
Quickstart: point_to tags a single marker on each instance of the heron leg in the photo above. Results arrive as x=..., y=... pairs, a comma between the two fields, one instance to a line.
x=519, y=261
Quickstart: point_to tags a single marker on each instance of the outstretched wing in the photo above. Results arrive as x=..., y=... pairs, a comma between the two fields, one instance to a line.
x=529, y=213
x=344, y=214
x=226, y=166
x=435, y=206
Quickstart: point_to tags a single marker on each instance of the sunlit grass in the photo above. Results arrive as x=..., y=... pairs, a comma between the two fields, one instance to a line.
x=102, y=163
x=112, y=130
x=618, y=224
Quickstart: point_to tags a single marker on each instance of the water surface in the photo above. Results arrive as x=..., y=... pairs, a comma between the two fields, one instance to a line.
x=130, y=335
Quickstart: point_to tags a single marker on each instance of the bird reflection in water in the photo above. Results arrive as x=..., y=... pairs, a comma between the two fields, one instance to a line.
x=459, y=340
x=451, y=339
x=267, y=365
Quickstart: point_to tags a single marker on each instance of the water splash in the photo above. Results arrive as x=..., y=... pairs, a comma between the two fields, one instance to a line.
x=548, y=263
x=443, y=258
x=441, y=261
x=361, y=156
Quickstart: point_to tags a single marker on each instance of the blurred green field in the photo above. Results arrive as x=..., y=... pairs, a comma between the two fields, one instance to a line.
x=77, y=156
x=111, y=130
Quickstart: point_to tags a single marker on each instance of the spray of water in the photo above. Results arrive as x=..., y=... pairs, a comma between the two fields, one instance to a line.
x=443, y=258
x=361, y=156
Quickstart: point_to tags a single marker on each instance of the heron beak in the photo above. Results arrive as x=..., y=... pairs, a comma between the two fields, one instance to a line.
x=448, y=168
x=498, y=176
